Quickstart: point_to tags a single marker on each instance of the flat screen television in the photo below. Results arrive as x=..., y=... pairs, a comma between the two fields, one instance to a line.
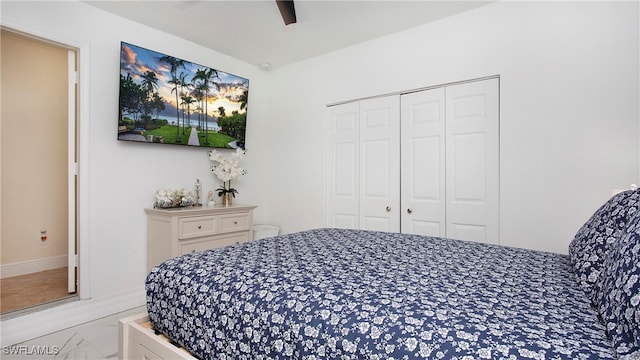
x=167, y=100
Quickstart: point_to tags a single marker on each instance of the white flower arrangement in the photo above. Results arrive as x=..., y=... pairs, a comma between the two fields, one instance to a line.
x=166, y=198
x=226, y=168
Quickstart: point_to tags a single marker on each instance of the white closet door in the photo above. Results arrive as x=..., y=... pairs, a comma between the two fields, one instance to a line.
x=472, y=156
x=380, y=164
x=343, y=166
x=423, y=163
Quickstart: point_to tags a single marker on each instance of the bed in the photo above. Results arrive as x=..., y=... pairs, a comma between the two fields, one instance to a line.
x=354, y=294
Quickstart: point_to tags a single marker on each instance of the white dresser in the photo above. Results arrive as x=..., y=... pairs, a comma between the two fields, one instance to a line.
x=178, y=231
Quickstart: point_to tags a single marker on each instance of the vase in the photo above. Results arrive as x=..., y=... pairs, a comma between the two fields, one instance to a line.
x=226, y=199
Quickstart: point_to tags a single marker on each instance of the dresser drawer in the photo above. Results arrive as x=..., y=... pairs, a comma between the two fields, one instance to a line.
x=190, y=227
x=174, y=232
x=234, y=222
x=211, y=243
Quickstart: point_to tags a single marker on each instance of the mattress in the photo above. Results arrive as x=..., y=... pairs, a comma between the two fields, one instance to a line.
x=354, y=294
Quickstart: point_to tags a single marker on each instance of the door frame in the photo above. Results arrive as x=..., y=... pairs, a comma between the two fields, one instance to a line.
x=81, y=147
x=72, y=173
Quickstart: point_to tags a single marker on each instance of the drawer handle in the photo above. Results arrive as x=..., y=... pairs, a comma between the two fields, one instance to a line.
x=235, y=223
x=199, y=227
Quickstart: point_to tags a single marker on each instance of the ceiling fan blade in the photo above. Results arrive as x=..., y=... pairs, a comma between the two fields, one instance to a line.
x=287, y=10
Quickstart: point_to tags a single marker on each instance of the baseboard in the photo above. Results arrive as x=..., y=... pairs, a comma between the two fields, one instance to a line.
x=36, y=324
x=32, y=266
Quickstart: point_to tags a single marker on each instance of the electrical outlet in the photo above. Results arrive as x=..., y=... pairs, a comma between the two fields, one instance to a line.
x=43, y=237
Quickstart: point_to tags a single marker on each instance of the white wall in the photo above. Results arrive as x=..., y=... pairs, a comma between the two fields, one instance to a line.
x=569, y=108
x=119, y=179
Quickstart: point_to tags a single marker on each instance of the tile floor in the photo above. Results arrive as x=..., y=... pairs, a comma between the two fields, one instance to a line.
x=96, y=340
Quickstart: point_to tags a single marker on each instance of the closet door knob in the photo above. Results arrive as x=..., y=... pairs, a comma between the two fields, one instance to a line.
x=388, y=208
x=409, y=210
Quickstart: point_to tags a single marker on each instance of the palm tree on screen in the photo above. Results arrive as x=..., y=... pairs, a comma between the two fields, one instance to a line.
x=184, y=84
x=149, y=85
x=243, y=99
x=197, y=94
x=158, y=104
x=149, y=82
x=187, y=100
x=205, y=76
x=174, y=65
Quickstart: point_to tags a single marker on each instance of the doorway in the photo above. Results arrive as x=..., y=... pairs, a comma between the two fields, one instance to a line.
x=38, y=150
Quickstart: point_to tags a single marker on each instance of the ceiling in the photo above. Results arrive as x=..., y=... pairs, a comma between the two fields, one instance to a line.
x=253, y=31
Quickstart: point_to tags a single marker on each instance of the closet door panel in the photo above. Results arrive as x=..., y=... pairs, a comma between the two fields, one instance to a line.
x=423, y=162
x=342, y=166
x=472, y=156
x=380, y=164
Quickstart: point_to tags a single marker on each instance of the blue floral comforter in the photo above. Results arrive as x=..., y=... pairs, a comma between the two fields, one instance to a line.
x=352, y=294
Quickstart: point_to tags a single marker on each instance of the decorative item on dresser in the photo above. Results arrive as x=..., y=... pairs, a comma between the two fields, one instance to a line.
x=168, y=198
x=210, y=200
x=226, y=168
x=198, y=193
x=178, y=231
